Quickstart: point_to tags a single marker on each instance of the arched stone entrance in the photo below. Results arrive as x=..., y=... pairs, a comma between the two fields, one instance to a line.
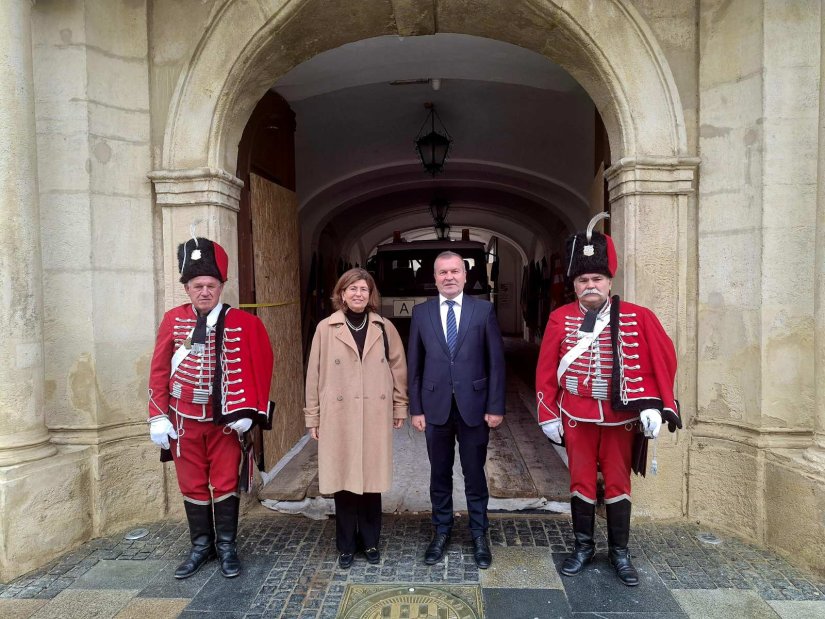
x=610, y=52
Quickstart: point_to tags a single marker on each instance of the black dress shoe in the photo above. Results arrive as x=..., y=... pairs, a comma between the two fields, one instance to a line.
x=372, y=554
x=481, y=552
x=435, y=551
x=345, y=560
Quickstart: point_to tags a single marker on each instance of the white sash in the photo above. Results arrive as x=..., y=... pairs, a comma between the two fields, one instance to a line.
x=180, y=354
x=182, y=351
x=583, y=344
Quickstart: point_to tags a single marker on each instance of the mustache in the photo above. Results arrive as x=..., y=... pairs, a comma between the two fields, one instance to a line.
x=587, y=291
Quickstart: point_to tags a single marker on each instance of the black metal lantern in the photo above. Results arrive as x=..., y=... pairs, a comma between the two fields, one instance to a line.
x=432, y=147
x=439, y=207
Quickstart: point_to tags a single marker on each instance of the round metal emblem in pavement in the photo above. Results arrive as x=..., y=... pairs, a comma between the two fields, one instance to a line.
x=419, y=602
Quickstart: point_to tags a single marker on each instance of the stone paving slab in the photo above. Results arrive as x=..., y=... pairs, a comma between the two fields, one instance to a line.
x=143, y=608
x=108, y=574
x=19, y=609
x=798, y=610
x=521, y=568
x=165, y=585
x=526, y=604
x=86, y=604
x=598, y=590
x=727, y=603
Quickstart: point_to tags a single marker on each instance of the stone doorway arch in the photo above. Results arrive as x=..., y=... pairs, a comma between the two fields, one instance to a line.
x=611, y=52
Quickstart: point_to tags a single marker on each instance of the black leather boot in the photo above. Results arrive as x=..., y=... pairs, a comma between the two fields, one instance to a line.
x=584, y=518
x=202, y=535
x=618, y=532
x=226, y=532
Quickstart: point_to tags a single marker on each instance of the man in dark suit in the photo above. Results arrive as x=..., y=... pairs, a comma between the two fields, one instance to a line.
x=456, y=382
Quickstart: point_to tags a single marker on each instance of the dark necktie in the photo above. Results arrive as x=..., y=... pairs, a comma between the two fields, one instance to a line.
x=589, y=321
x=199, y=335
x=452, y=328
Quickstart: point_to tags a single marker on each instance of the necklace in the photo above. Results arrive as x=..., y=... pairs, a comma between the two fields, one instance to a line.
x=353, y=327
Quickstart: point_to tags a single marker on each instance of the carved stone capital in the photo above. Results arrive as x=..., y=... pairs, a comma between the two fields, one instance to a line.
x=652, y=175
x=197, y=187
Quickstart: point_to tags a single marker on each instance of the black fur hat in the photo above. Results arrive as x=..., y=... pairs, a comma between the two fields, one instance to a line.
x=591, y=252
x=200, y=256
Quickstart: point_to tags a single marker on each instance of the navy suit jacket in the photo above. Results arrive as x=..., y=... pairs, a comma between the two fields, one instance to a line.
x=475, y=374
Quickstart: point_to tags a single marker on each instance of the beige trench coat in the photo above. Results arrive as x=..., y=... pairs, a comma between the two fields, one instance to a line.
x=353, y=401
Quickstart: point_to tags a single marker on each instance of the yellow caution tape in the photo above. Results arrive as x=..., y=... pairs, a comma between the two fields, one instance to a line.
x=251, y=305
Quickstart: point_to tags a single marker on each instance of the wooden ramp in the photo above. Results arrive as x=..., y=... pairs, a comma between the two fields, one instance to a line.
x=299, y=476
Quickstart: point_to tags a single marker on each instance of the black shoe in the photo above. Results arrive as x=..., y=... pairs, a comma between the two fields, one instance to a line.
x=373, y=556
x=584, y=518
x=345, y=560
x=435, y=551
x=226, y=533
x=481, y=552
x=202, y=535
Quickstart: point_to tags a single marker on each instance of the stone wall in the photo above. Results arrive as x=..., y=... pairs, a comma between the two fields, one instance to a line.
x=759, y=74
x=90, y=76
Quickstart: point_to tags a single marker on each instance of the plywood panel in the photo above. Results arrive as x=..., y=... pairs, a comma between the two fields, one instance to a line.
x=276, y=238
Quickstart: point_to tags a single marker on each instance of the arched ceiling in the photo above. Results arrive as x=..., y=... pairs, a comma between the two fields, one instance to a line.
x=523, y=131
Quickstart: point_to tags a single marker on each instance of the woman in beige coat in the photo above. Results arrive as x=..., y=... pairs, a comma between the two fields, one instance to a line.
x=356, y=393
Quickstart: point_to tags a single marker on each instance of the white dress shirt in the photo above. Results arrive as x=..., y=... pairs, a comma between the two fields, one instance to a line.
x=442, y=304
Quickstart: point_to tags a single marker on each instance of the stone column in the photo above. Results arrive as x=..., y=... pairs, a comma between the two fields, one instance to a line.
x=209, y=197
x=816, y=453
x=653, y=225
x=23, y=434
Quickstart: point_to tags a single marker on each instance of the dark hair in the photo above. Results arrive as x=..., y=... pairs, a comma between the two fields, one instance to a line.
x=349, y=278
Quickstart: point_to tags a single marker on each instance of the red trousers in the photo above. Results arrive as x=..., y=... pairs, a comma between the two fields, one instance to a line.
x=590, y=448
x=209, y=455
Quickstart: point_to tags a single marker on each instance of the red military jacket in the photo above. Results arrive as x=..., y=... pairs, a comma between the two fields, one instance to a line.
x=630, y=367
x=229, y=381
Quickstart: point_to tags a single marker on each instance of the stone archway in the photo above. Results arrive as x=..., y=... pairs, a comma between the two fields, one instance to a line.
x=610, y=52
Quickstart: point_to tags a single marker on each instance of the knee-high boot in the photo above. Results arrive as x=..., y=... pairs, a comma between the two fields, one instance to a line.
x=584, y=518
x=618, y=533
x=202, y=535
x=226, y=532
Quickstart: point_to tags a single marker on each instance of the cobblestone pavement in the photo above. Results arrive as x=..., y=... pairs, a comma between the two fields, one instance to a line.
x=290, y=571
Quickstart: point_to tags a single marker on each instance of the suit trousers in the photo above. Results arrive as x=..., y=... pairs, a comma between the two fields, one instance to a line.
x=472, y=451
x=357, y=518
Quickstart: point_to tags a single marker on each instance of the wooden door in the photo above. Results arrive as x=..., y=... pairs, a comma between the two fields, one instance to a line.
x=276, y=242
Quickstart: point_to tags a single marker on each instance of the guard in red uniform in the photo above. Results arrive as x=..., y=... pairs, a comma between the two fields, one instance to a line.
x=209, y=384
x=605, y=375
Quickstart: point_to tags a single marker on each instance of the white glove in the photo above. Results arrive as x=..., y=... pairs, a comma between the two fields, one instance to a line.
x=160, y=431
x=651, y=421
x=241, y=426
x=553, y=430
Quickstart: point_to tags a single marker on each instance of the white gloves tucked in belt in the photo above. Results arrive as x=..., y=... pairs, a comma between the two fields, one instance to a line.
x=160, y=431
x=241, y=426
x=651, y=421
x=553, y=430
